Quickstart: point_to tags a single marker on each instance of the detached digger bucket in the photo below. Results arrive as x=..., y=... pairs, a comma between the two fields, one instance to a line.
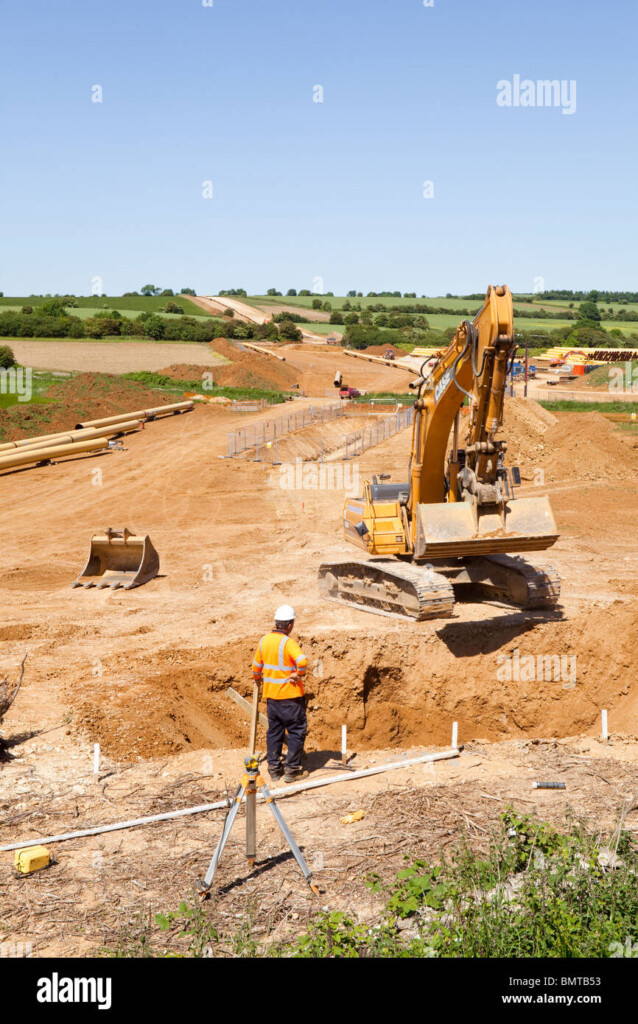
x=455, y=529
x=119, y=558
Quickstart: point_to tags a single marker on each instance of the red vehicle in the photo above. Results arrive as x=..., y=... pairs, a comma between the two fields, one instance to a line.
x=349, y=393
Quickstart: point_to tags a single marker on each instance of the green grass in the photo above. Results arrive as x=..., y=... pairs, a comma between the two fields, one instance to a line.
x=160, y=381
x=322, y=327
x=406, y=399
x=566, y=406
x=41, y=381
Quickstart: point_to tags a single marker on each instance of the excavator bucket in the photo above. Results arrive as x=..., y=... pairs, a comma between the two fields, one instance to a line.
x=456, y=529
x=119, y=558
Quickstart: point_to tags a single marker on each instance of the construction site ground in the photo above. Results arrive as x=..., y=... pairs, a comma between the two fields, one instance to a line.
x=144, y=674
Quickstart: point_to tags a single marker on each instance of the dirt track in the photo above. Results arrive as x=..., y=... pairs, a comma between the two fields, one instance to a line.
x=145, y=672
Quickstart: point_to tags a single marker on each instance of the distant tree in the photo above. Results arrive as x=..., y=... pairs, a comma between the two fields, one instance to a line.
x=187, y=291
x=346, y=306
x=94, y=327
x=149, y=289
x=361, y=335
x=7, y=358
x=273, y=291
x=172, y=307
x=351, y=294
x=154, y=326
x=229, y=312
x=26, y=310
x=327, y=306
x=589, y=311
x=288, y=331
x=330, y=295
x=351, y=318
x=167, y=291
x=291, y=291
x=336, y=317
x=51, y=307
x=108, y=314
x=317, y=303
x=305, y=291
x=243, y=330
x=409, y=295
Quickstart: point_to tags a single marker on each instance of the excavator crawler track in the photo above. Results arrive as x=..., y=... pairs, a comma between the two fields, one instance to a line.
x=387, y=587
x=514, y=581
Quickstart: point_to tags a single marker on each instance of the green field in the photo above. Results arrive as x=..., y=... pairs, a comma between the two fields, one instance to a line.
x=127, y=305
x=322, y=328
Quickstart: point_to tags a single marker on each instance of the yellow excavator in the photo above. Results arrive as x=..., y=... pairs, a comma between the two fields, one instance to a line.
x=455, y=522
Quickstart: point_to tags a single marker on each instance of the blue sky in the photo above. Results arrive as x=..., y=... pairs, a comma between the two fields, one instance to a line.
x=306, y=191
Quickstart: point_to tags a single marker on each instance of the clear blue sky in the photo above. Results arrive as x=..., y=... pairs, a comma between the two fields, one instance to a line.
x=306, y=190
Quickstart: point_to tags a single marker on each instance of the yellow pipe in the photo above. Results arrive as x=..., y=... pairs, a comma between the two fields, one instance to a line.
x=139, y=414
x=71, y=436
x=54, y=452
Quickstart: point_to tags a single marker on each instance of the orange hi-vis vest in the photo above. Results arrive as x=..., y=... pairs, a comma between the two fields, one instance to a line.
x=276, y=658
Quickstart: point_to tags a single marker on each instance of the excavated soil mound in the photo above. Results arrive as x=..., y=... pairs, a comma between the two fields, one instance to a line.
x=87, y=396
x=568, y=445
x=251, y=369
x=380, y=350
x=587, y=446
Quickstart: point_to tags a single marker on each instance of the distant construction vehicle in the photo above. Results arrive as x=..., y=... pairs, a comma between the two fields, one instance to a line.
x=455, y=521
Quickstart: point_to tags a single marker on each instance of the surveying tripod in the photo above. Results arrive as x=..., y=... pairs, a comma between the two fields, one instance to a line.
x=251, y=782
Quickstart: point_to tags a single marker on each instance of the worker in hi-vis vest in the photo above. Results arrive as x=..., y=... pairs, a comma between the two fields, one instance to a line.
x=281, y=665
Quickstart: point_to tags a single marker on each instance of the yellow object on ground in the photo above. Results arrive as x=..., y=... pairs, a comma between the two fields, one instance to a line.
x=353, y=816
x=31, y=859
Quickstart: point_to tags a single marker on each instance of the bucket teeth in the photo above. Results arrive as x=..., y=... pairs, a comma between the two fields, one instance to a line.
x=119, y=558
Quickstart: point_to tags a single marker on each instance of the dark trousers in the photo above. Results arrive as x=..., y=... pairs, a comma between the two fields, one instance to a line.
x=286, y=719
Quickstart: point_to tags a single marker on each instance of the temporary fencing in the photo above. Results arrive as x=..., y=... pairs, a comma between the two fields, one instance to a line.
x=257, y=435
x=260, y=441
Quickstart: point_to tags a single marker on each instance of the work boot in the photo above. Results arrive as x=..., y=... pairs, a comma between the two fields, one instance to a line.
x=276, y=774
x=295, y=774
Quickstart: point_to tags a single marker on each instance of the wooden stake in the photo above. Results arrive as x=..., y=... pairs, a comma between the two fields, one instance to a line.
x=253, y=718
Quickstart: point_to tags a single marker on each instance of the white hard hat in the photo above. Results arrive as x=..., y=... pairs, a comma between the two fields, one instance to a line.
x=285, y=613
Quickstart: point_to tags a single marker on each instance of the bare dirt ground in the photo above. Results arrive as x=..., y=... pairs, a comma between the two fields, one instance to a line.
x=110, y=357
x=320, y=364
x=144, y=673
x=217, y=304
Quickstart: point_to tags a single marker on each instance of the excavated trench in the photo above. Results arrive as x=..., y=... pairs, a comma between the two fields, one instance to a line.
x=517, y=677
